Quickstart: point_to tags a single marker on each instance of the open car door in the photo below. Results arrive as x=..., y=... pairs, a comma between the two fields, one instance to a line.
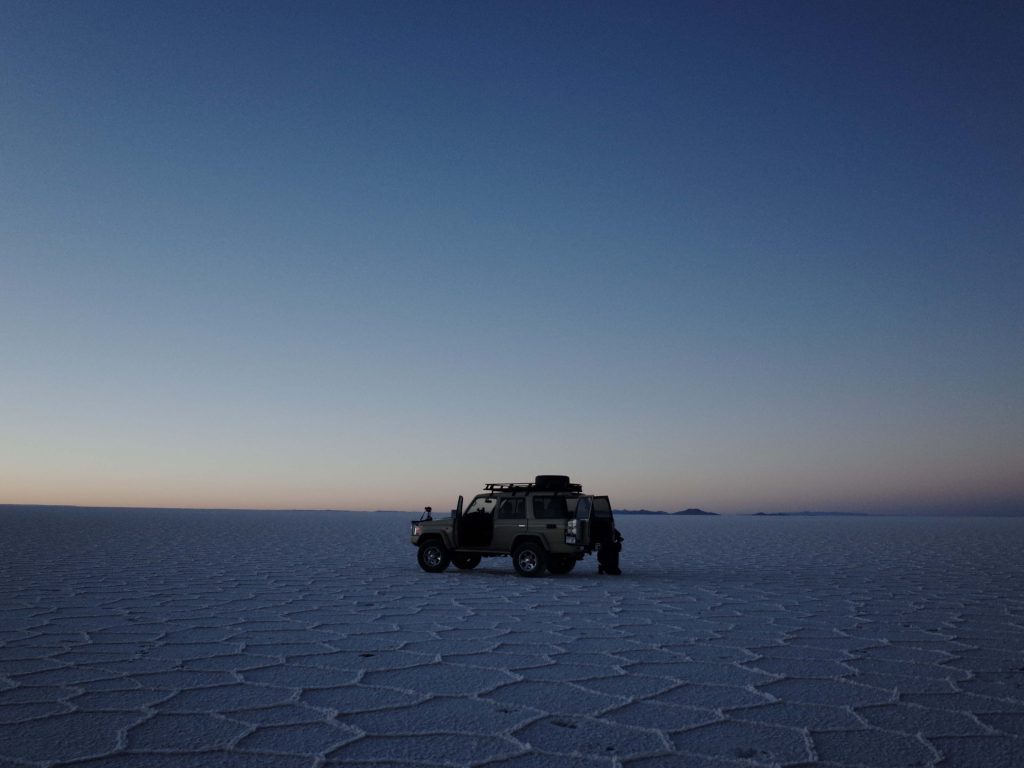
x=577, y=530
x=602, y=524
x=593, y=523
x=456, y=518
x=475, y=526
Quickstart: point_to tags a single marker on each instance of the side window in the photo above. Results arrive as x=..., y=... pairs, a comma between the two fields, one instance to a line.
x=512, y=509
x=550, y=508
x=602, y=507
x=483, y=504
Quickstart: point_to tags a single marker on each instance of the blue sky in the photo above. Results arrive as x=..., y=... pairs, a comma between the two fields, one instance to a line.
x=371, y=255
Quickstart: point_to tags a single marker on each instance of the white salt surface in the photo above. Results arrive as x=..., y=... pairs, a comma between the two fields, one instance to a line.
x=170, y=638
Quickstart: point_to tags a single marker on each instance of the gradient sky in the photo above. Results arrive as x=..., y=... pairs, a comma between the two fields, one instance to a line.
x=741, y=256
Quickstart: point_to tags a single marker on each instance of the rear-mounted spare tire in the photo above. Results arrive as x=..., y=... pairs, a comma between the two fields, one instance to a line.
x=551, y=483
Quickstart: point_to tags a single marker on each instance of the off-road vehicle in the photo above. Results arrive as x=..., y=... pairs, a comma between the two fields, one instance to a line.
x=549, y=524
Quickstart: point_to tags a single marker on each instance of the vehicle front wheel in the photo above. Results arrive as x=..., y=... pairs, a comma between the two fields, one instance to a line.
x=465, y=562
x=432, y=556
x=529, y=559
x=561, y=564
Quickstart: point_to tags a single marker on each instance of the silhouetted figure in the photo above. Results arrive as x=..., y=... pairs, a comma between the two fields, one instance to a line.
x=608, y=550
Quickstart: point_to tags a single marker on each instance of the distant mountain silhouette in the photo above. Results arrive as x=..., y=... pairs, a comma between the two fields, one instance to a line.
x=694, y=511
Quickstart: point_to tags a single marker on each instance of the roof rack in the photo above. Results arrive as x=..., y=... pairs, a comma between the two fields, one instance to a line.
x=527, y=487
x=508, y=486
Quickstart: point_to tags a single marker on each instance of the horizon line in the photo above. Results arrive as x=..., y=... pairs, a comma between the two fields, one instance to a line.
x=629, y=512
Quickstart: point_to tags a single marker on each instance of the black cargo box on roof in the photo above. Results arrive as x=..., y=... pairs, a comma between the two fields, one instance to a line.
x=542, y=483
x=555, y=484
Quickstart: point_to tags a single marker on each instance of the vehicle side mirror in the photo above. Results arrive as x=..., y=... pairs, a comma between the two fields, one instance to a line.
x=458, y=508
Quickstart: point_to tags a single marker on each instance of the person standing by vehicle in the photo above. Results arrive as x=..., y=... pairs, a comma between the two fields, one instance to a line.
x=608, y=550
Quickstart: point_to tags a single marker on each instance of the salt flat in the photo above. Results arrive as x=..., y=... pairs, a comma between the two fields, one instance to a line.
x=173, y=638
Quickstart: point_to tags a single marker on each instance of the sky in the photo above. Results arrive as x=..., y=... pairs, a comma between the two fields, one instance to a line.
x=371, y=255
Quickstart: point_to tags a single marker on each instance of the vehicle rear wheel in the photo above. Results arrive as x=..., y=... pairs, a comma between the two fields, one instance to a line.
x=529, y=559
x=561, y=564
x=465, y=562
x=432, y=556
